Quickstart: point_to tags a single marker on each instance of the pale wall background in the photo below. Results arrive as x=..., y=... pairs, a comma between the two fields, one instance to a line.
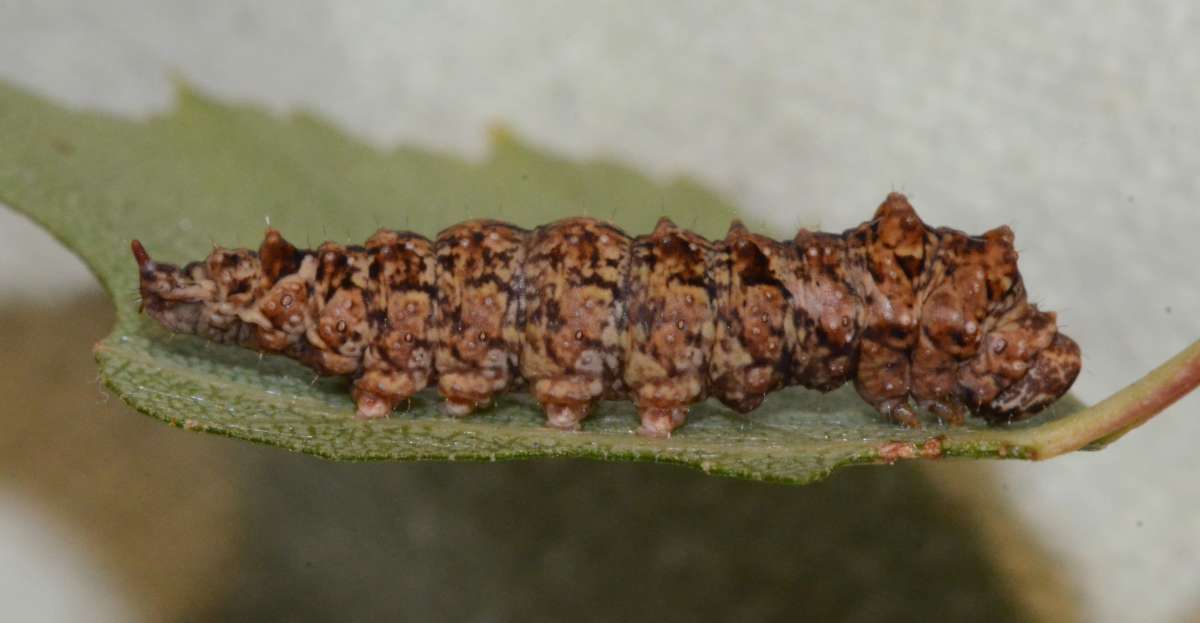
x=1075, y=123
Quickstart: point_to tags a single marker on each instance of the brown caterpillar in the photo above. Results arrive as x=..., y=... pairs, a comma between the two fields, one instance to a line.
x=577, y=311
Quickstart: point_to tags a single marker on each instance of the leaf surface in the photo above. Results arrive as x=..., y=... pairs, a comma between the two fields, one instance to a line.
x=208, y=172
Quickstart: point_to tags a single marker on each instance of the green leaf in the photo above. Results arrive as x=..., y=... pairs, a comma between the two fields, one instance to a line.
x=208, y=173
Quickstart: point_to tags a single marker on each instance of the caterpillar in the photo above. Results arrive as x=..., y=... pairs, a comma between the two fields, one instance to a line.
x=577, y=311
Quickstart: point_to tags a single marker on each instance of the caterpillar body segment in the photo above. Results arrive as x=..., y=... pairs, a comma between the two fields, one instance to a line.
x=755, y=328
x=573, y=302
x=576, y=311
x=672, y=294
x=478, y=312
x=400, y=356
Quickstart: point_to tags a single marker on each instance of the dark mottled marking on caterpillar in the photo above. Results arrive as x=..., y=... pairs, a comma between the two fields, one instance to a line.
x=576, y=311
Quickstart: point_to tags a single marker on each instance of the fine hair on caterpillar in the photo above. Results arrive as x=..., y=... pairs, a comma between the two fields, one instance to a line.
x=578, y=311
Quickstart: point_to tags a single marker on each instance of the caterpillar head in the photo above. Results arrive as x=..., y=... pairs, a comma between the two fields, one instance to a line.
x=174, y=297
x=1022, y=366
x=1049, y=376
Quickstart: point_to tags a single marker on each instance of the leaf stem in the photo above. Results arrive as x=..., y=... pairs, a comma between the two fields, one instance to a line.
x=1123, y=411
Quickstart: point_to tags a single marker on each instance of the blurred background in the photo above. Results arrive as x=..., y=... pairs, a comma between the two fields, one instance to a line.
x=1076, y=125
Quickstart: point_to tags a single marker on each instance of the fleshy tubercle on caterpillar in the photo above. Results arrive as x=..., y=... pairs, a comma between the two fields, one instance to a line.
x=577, y=311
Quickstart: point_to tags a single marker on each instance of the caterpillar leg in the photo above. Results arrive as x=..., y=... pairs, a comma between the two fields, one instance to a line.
x=660, y=421
x=933, y=378
x=567, y=399
x=377, y=392
x=937, y=355
x=469, y=391
x=663, y=405
x=883, y=381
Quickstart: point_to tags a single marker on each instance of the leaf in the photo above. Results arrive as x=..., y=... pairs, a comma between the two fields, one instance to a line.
x=209, y=172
